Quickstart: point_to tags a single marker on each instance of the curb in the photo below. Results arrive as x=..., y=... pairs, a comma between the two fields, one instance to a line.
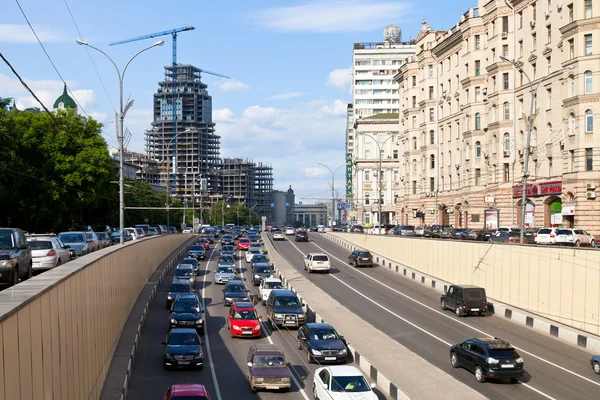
x=544, y=325
x=168, y=267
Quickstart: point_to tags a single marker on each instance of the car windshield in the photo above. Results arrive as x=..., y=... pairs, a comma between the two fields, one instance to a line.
x=197, y=248
x=244, y=241
x=184, y=272
x=350, y=384
x=504, y=353
x=183, y=339
x=544, y=231
x=235, y=288
x=564, y=232
x=269, y=361
x=192, y=261
x=71, y=237
x=259, y=258
x=179, y=288
x=273, y=285
x=245, y=314
x=228, y=237
x=320, y=258
x=224, y=269
x=323, y=334
x=262, y=269
x=101, y=235
x=186, y=307
x=227, y=249
x=39, y=244
x=226, y=260
x=254, y=251
x=287, y=301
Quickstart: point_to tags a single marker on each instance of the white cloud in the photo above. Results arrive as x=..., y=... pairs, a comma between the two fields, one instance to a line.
x=21, y=33
x=338, y=107
x=257, y=113
x=286, y=96
x=230, y=85
x=328, y=16
x=340, y=78
x=315, y=172
x=222, y=115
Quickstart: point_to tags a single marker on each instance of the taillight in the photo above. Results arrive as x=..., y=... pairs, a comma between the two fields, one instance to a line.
x=51, y=253
x=357, y=258
x=552, y=235
x=484, y=307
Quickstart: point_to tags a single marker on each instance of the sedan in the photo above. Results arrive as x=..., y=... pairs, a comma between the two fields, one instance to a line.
x=243, y=244
x=186, y=271
x=183, y=349
x=260, y=271
x=197, y=251
x=342, y=382
x=227, y=250
x=227, y=240
x=47, y=252
x=251, y=253
x=322, y=344
x=235, y=290
x=186, y=312
x=204, y=243
x=104, y=239
x=186, y=391
x=178, y=286
x=224, y=274
x=193, y=262
x=301, y=236
x=77, y=242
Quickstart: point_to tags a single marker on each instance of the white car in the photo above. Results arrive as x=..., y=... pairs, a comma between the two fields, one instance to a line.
x=251, y=252
x=342, y=382
x=47, y=252
x=187, y=230
x=317, y=262
x=266, y=285
x=289, y=230
x=575, y=237
x=133, y=233
x=278, y=235
x=546, y=236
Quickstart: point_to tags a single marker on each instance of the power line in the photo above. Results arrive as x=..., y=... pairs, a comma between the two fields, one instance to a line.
x=48, y=56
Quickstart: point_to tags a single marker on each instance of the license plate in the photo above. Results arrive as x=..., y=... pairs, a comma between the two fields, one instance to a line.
x=290, y=322
x=365, y=259
x=474, y=309
x=184, y=363
x=329, y=358
x=507, y=365
x=247, y=333
x=272, y=387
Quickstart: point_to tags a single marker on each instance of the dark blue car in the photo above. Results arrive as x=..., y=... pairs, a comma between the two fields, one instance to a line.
x=595, y=361
x=183, y=349
x=192, y=261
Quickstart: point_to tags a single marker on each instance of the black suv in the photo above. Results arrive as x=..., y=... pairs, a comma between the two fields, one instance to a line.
x=15, y=256
x=285, y=309
x=465, y=299
x=488, y=358
x=301, y=236
x=360, y=258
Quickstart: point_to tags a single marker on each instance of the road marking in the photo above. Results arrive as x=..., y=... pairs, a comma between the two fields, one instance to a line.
x=408, y=322
x=208, y=352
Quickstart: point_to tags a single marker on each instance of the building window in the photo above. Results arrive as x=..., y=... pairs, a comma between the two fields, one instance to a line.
x=414, y=142
x=573, y=123
x=572, y=85
x=588, y=44
x=588, y=9
x=506, y=172
x=520, y=48
x=414, y=102
x=477, y=121
x=571, y=48
x=550, y=167
x=493, y=53
x=507, y=142
x=589, y=160
x=430, y=92
x=432, y=184
x=367, y=175
x=414, y=121
x=533, y=12
x=367, y=201
x=431, y=137
x=431, y=115
x=588, y=82
x=520, y=19
x=548, y=99
x=534, y=66
x=395, y=154
x=477, y=68
x=414, y=187
x=549, y=63
x=589, y=121
x=477, y=176
x=549, y=34
x=534, y=39
x=432, y=161
x=505, y=81
x=396, y=175
x=571, y=160
x=570, y=9
x=414, y=166
x=477, y=93
x=367, y=154
x=493, y=84
x=431, y=71
x=506, y=111
x=504, y=50
x=504, y=24
x=477, y=42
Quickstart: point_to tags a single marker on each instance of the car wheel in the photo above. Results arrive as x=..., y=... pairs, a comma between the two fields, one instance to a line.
x=299, y=345
x=355, y=264
x=514, y=380
x=58, y=263
x=30, y=271
x=596, y=368
x=309, y=358
x=593, y=244
x=315, y=392
x=16, y=275
x=459, y=312
x=454, y=360
x=479, y=374
x=443, y=304
x=577, y=244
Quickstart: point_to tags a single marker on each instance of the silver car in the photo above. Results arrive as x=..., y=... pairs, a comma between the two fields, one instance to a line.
x=224, y=274
x=78, y=243
x=47, y=252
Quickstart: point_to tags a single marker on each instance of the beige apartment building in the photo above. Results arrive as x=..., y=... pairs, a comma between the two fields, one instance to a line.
x=464, y=108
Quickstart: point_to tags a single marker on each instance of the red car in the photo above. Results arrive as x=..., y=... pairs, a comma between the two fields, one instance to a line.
x=187, y=391
x=204, y=243
x=243, y=244
x=243, y=321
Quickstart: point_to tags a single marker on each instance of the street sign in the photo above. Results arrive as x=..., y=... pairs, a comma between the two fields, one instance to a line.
x=272, y=204
x=300, y=203
x=347, y=206
x=340, y=206
x=287, y=204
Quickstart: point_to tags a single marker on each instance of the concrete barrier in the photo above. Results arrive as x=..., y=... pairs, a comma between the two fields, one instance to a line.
x=59, y=330
x=553, y=290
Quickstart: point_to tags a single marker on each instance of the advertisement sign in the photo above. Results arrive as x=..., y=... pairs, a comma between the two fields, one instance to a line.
x=538, y=189
x=492, y=218
x=568, y=210
x=556, y=219
x=348, y=174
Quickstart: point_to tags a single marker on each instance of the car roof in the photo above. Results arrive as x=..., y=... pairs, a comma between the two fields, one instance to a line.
x=235, y=282
x=262, y=264
x=468, y=287
x=344, y=370
x=190, y=259
x=180, y=281
x=282, y=292
x=267, y=348
x=272, y=280
x=188, y=389
x=494, y=343
x=314, y=325
x=242, y=305
x=184, y=266
x=183, y=330
x=187, y=296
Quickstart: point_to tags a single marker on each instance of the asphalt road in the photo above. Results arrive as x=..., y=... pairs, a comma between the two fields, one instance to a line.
x=224, y=372
x=410, y=314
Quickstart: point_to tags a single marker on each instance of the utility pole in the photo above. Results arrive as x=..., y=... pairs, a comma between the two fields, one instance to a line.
x=332, y=189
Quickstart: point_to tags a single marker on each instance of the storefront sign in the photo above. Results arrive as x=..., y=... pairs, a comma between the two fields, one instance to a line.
x=349, y=175
x=568, y=210
x=489, y=200
x=538, y=189
x=492, y=217
x=556, y=219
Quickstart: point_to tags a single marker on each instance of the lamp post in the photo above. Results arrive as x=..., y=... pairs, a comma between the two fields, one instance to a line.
x=168, y=144
x=530, y=118
x=332, y=189
x=122, y=112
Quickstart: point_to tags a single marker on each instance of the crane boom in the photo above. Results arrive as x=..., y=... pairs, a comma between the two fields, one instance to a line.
x=213, y=73
x=153, y=35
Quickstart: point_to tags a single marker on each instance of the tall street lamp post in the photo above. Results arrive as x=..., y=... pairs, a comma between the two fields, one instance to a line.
x=379, y=146
x=122, y=112
x=332, y=189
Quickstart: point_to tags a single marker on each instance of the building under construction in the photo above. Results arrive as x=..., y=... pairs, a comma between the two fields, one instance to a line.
x=191, y=153
x=247, y=182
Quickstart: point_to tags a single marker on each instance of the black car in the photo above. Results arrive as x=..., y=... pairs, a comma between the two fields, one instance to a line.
x=183, y=349
x=226, y=259
x=488, y=358
x=178, y=286
x=15, y=256
x=301, y=236
x=260, y=271
x=186, y=312
x=185, y=271
x=197, y=251
x=258, y=258
x=192, y=261
x=322, y=344
x=465, y=300
x=284, y=309
x=227, y=240
x=227, y=250
x=235, y=290
x=457, y=233
x=360, y=258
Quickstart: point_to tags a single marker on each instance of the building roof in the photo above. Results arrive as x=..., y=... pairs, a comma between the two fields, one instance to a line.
x=65, y=101
x=384, y=116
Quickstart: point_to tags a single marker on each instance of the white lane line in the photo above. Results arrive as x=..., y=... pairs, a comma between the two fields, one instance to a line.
x=264, y=327
x=208, y=352
x=408, y=322
x=451, y=318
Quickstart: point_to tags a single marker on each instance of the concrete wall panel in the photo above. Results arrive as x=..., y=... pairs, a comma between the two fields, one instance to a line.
x=24, y=340
x=10, y=343
x=37, y=374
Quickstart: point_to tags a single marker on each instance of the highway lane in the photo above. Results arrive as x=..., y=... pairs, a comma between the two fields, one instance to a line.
x=428, y=331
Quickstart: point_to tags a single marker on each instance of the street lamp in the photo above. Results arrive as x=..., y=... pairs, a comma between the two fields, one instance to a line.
x=332, y=189
x=169, y=143
x=530, y=119
x=122, y=111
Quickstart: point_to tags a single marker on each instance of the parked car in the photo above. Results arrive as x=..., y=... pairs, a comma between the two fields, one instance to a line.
x=346, y=380
x=317, y=262
x=508, y=237
x=301, y=236
x=488, y=358
x=183, y=349
x=260, y=271
x=575, y=237
x=488, y=233
x=278, y=235
x=546, y=236
x=155, y=232
x=186, y=391
x=178, y=286
x=104, y=239
x=465, y=300
x=15, y=256
x=419, y=230
x=78, y=243
x=266, y=285
x=132, y=233
x=595, y=363
x=186, y=312
x=457, y=233
x=243, y=320
x=322, y=344
x=361, y=258
x=47, y=252
x=474, y=234
x=187, y=230
x=404, y=230
x=235, y=290
x=285, y=309
x=268, y=368
x=357, y=229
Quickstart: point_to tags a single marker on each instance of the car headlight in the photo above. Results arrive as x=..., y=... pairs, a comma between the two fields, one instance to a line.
x=173, y=321
x=343, y=351
x=169, y=297
x=492, y=360
x=199, y=322
x=285, y=379
x=7, y=263
x=256, y=276
x=236, y=328
x=169, y=357
x=191, y=279
x=519, y=360
x=316, y=352
x=228, y=298
x=198, y=357
x=258, y=379
x=257, y=327
x=278, y=316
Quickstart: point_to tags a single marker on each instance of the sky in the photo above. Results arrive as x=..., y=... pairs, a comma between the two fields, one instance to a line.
x=289, y=63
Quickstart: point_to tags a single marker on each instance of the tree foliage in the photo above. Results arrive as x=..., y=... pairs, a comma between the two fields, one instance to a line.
x=236, y=213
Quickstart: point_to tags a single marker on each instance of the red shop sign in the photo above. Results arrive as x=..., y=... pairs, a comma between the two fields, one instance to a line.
x=538, y=189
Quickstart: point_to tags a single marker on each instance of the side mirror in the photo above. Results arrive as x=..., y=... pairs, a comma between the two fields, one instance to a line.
x=289, y=364
x=164, y=343
x=23, y=247
x=303, y=304
x=373, y=386
x=249, y=364
x=260, y=317
x=67, y=246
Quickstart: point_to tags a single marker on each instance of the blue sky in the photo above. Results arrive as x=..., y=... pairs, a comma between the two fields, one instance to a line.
x=289, y=63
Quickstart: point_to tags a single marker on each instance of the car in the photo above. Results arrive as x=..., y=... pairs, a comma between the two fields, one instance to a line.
x=227, y=240
x=186, y=312
x=144, y=227
x=224, y=273
x=243, y=244
x=131, y=232
x=15, y=256
x=185, y=271
x=226, y=259
x=404, y=230
x=278, y=235
x=260, y=271
x=183, y=349
x=488, y=358
x=360, y=258
x=284, y=309
x=47, y=252
x=266, y=285
x=508, y=237
x=322, y=344
x=342, y=382
x=104, y=239
x=457, y=233
x=235, y=290
x=474, y=234
x=186, y=391
x=289, y=230
x=464, y=300
x=204, y=243
x=154, y=231
x=193, y=261
x=187, y=230
x=254, y=237
x=251, y=253
x=301, y=236
x=78, y=243
x=317, y=262
x=178, y=286
x=595, y=363
x=197, y=251
x=267, y=368
x=94, y=242
x=419, y=230
x=256, y=245
x=575, y=237
x=243, y=320
x=228, y=250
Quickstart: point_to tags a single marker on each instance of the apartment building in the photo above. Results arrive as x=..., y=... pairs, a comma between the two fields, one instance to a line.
x=471, y=90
